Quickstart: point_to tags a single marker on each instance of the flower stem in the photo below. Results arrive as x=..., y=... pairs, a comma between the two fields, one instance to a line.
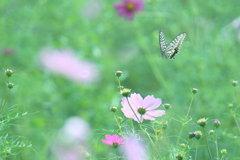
x=132, y=126
x=5, y=101
x=4, y=94
x=234, y=117
x=184, y=120
x=119, y=84
x=236, y=96
x=133, y=111
x=216, y=145
x=204, y=130
x=119, y=126
x=196, y=151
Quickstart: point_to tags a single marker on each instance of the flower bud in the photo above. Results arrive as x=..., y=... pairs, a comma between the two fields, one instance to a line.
x=224, y=151
x=10, y=85
x=121, y=87
x=191, y=135
x=113, y=109
x=183, y=145
x=125, y=92
x=120, y=119
x=230, y=105
x=194, y=90
x=164, y=124
x=202, y=122
x=118, y=73
x=8, y=72
x=234, y=83
x=211, y=132
x=167, y=106
x=179, y=156
x=198, y=134
x=159, y=132
x=217, y=123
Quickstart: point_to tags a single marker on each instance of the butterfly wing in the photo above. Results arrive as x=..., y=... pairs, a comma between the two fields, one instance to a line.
x=163, y=43
x=174, y=46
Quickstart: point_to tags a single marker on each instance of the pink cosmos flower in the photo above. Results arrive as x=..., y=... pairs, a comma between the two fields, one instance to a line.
x=113, y=140
x=144, y=108
x=66, y=63
x=135, y=150
x=8, y=51
x=127, y=8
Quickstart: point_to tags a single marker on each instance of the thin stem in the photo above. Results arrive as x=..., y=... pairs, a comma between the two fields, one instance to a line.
x=236, y=96
x=4, y=93
x=196, y=151
x=189, y=107
x=183, y=123
x=216, y=145
x=119, y=84
x=133, y=111
x=5, y=101
x=132, y=126
x=157, y=136
x=207, y=144
x=149, y=139
x=234, y=117
x=119, y=126
x=183, y=151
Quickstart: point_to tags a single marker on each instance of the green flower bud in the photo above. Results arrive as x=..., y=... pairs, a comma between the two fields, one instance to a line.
x=118, y=73
x=234, y=83
x=9, y=72
x=217, y=123
x=230, y=105
x=224, y=151
x=164, y=124
x=194, y=90
x=10, y=85
x=198, y=134
x=113, y=109
x=126, y=92
x=211, y=132
x=167, y=106
x=179, y=156
x=191, y=135
x=202, y=122
x=120, y=119
x=183, y=145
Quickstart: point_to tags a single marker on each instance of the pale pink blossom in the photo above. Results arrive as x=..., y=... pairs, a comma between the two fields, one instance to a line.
x=135, y=150
x=127, y=8
x=66, y=63
x=143, y=108
x=113, y=140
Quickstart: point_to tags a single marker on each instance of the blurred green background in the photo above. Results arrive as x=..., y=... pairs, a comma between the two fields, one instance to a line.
x=208, y=61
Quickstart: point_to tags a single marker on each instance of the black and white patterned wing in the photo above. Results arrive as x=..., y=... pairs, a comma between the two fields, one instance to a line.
x=162, y=42
x=174, y=46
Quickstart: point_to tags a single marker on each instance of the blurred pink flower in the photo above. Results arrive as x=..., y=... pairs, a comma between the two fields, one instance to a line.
x=8, y=51
x=66, y=63
x=92, y=9
x=127, y=8
x=144, y=108
x=135, y=150
x=71, y=141
x=113, y=140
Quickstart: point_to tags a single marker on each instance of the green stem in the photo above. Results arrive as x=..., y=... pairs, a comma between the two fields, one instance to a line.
x=183, y=151
x=236, y=96
x=119, y=84
x=4, y=93
x=133, y=111
x=132, y=126
x=196, y=151
x=184, y=120
x=207, y=144
x=189, y=107
x=234, y=117
x=119, y=126
x=216, y=145
x=157, y=136
x=5, y=102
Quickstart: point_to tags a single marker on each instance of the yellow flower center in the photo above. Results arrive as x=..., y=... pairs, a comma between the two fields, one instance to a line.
x=130, y=6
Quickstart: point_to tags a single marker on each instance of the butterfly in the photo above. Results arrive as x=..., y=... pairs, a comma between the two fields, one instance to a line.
x=169, y=51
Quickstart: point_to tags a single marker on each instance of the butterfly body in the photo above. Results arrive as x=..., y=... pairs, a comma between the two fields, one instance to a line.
x=173, y=48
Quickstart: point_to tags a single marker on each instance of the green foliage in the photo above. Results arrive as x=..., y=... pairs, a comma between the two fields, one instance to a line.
x=209, y=61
